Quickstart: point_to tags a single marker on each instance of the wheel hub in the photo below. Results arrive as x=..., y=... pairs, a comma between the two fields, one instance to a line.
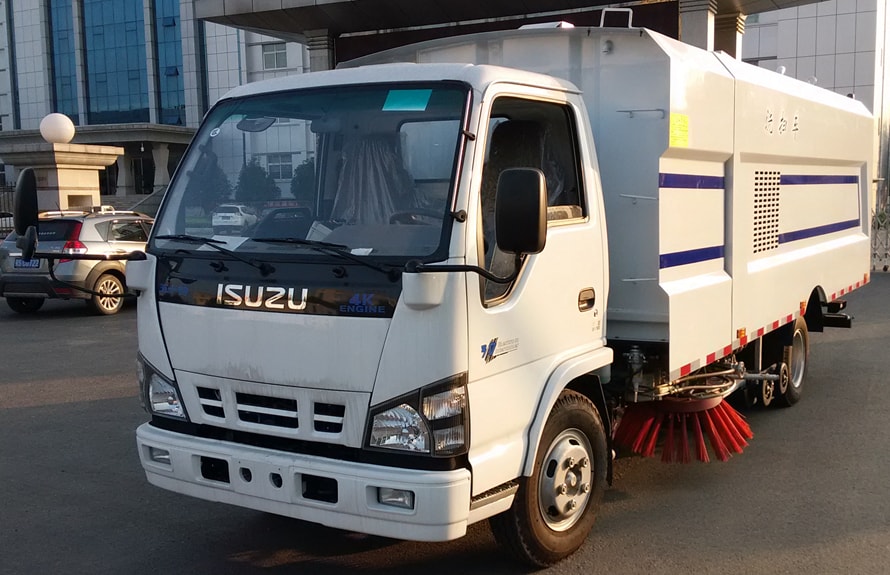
x=565, y=480
x=798, y=359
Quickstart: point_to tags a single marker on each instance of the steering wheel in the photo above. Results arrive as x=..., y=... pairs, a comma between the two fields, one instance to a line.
x=414, y=215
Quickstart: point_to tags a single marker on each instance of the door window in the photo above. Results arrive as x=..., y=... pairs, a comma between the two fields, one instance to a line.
x=129, y=231
x=528, y=134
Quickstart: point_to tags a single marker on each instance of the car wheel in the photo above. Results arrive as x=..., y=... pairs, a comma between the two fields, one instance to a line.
x=110, y=290
x=25, y=304
x=555, y=508
x=796, y=356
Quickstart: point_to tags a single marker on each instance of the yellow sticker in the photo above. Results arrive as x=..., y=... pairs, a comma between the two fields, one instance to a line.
x=679, y=130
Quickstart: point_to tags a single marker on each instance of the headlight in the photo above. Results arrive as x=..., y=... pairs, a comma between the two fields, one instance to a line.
x=159, y=395
x=432, y=420
x=400, y=427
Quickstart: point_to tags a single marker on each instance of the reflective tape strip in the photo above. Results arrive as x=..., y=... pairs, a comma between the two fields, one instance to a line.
x=739, y=343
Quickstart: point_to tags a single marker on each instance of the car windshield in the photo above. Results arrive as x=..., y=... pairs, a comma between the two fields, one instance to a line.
x=368, y=168
x=57, y=230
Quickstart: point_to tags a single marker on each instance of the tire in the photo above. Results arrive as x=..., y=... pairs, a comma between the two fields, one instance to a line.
x=25, y=304
x=797, y=357
x=105, y=304
x=556, y=507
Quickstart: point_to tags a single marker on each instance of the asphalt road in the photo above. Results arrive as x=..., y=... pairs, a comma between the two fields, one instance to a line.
x=811, y=494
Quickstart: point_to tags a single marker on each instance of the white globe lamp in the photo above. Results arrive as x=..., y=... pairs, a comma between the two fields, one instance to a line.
x=57, y=128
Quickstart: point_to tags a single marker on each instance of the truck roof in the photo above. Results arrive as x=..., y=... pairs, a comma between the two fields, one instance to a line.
x=479, y=76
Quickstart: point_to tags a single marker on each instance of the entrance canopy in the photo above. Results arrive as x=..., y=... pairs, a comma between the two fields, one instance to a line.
x=292, y=19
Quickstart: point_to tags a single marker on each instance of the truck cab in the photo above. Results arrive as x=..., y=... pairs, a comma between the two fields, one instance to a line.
x=351, y=366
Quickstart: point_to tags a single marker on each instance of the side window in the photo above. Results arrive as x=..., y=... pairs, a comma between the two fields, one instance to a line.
x=130, y=231
x=428, y=150
x=528, y=134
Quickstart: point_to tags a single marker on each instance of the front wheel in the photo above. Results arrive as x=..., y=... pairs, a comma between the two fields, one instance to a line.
x=556, y=507
x=109, y=300
x=24, y=304
x=796, y=356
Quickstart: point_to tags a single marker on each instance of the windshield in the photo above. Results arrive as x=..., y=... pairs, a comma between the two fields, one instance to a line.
x=368, y=168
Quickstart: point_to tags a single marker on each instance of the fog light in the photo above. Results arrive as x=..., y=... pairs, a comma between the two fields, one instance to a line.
x=401, y=498
x=159, y=455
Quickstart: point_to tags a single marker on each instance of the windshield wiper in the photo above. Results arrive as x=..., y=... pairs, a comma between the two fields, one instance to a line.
x=334, y=249
x=302, y=242
x=265, y=268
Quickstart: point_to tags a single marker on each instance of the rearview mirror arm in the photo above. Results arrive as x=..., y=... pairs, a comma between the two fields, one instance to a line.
x=416, y=267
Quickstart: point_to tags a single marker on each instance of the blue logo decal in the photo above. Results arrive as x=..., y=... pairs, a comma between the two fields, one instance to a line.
x=362, y=303
x=488, y=350
x=361, y=299
x=498, y=347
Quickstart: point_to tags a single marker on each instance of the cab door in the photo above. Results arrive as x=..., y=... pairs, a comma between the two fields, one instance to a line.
x=520, y=331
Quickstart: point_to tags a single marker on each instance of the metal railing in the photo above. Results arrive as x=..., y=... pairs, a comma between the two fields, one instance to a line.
x=6, y=201
x=880, y=231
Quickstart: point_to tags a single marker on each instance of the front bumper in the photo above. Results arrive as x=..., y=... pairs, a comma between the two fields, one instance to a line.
x=282, y=483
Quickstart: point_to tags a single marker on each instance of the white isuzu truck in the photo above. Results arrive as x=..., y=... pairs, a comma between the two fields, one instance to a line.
x=514, y=253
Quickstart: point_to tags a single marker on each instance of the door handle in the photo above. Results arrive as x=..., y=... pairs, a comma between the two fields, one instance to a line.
x=586, y=299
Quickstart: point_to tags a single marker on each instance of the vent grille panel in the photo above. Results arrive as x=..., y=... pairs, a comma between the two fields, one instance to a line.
x=766, y=211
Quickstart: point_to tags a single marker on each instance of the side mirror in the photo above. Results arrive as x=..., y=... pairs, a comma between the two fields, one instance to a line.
x=24, y=213
x=521, y=211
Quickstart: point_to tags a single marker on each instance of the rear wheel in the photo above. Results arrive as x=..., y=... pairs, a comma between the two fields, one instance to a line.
x=25, y=304
x=556, y=507
x=109, y=301
x=796, y=356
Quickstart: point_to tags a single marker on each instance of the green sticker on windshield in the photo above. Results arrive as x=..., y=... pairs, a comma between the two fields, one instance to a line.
x=407, y=100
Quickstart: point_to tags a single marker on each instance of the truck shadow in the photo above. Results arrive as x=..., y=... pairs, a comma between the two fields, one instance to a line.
x=275, y=544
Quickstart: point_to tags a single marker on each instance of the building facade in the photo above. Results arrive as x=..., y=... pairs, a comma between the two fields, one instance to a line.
x=835, y=44
x=139, y=74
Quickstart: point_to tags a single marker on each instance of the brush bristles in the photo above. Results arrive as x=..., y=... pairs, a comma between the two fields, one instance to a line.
x=646, y=425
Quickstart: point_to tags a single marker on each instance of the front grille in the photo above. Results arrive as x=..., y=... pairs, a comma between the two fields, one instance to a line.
x=328, y=417
x=279, y=413
x=211, y=402
x=272, y=411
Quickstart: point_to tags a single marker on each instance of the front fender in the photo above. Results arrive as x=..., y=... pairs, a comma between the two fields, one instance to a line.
x=559, y=380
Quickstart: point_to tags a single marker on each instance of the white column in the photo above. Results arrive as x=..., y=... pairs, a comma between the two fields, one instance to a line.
x=125, y=184
x=697, y=22
x=151, y=64
x=321, y=50
x=80, y=57
x=160, y=153
x=194, y=76
x=729, y=29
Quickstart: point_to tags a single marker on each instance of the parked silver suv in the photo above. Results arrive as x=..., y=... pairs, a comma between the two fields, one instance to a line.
x=27, y=283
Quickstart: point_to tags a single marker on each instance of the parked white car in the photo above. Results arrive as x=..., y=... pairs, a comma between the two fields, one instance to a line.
x=232, y=218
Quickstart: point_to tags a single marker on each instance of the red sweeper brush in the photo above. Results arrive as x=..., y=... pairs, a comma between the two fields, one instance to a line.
x=671, y=422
